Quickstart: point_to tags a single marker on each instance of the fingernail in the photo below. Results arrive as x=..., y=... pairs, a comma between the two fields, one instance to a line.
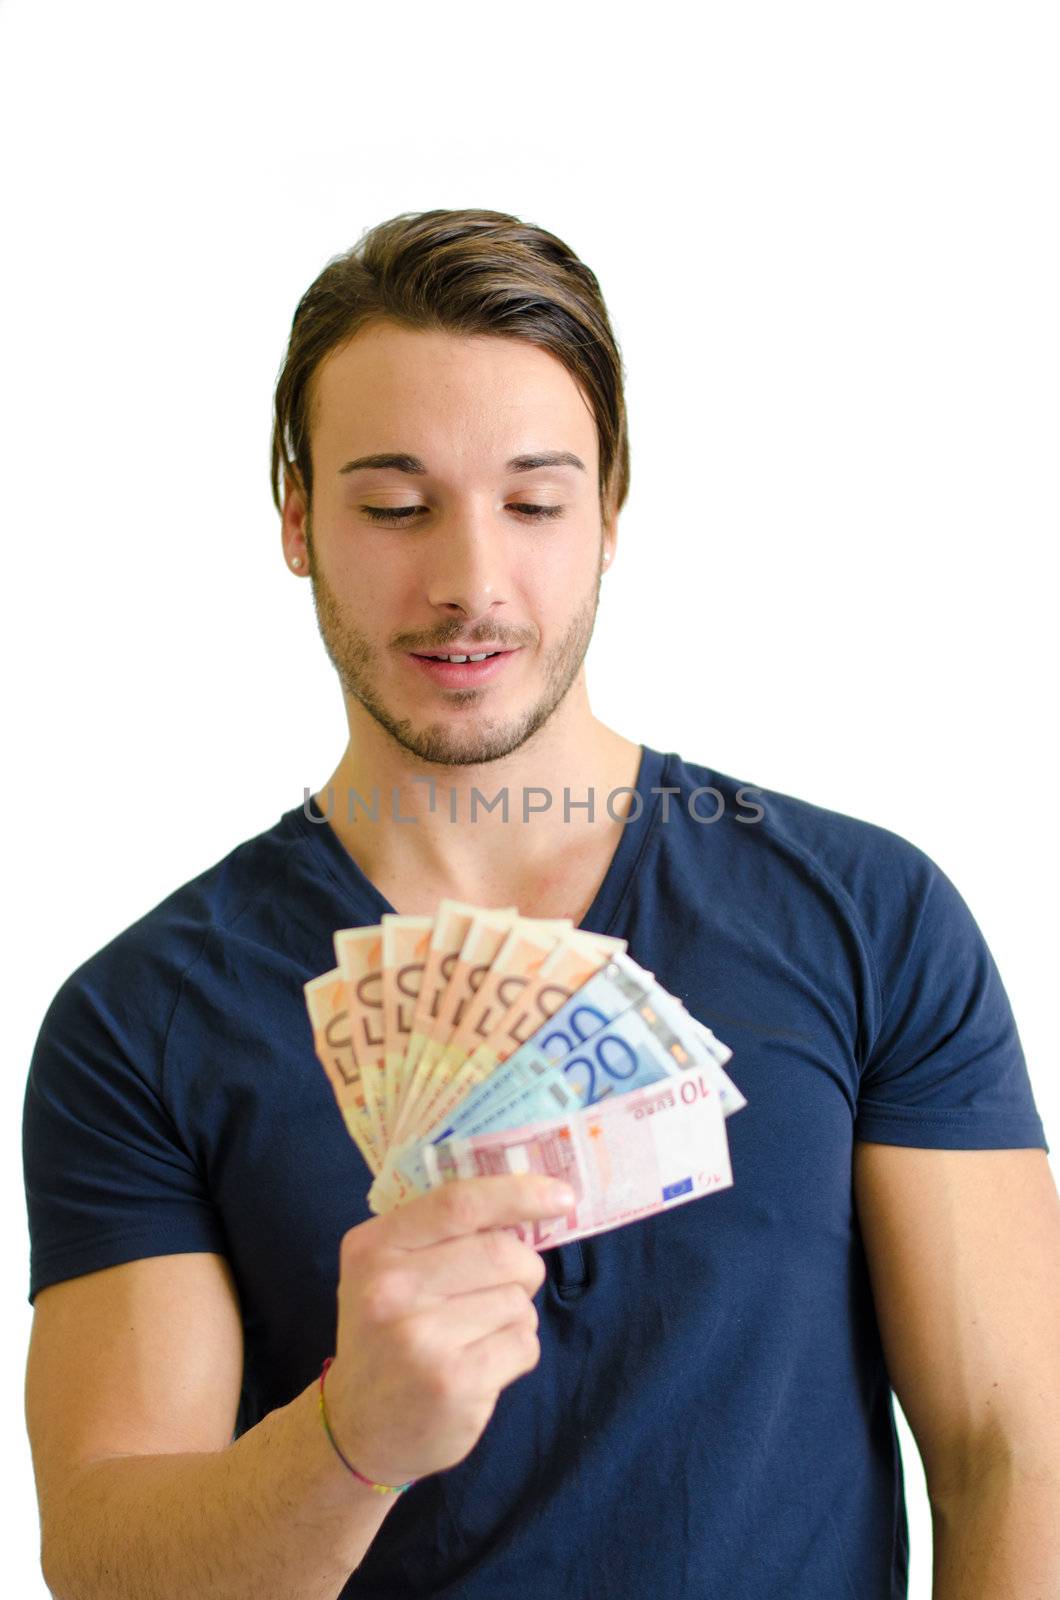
x=560, y=1194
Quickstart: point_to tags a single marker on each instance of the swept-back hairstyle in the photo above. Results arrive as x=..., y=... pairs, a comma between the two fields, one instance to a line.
x=463, y=272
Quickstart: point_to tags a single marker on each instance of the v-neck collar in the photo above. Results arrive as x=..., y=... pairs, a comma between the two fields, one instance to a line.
x=633, y=840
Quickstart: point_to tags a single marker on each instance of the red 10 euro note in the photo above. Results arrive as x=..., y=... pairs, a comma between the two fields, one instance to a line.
x=630, y=1156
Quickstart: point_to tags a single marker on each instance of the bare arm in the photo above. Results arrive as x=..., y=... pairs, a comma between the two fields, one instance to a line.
x=275, y=1516
x=133, y=1383
x=132, y=1387
x=963, y=1249
x=998, y=1536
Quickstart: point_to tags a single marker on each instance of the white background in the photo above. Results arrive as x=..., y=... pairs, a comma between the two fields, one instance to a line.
x=827, y=235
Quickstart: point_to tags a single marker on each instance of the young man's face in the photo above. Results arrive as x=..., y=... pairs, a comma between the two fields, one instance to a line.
x=471, y=562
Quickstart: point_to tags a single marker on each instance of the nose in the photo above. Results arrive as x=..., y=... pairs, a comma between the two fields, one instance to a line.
x=467, y=571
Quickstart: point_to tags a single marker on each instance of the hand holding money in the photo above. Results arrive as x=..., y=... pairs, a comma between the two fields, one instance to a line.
x=480, y=1042
x=435, y=1318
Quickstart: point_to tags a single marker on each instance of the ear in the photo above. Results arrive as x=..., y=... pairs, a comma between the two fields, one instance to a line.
x=609, y=541
x=293, y=525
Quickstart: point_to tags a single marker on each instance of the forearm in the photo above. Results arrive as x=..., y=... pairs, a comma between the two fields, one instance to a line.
x=275, y=1516
x=999, y=1538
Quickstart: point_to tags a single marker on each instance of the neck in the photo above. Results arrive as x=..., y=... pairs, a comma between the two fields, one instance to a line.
x=421, y=829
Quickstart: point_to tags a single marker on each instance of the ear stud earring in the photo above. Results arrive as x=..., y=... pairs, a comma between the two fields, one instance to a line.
x=296, y=561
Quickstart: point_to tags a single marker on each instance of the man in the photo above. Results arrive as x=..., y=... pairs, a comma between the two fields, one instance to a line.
x=696, y=1404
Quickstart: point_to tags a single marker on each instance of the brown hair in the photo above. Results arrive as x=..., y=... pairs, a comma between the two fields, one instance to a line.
x=463, y=272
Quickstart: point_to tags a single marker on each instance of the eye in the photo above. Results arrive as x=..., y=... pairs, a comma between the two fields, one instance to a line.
x=540, y=511
x=403, y=513
x=390, y=513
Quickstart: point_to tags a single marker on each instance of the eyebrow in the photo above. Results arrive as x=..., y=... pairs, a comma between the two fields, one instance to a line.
x=399, y=462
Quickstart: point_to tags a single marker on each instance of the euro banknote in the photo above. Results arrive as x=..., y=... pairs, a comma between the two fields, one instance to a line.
x=479, y=1039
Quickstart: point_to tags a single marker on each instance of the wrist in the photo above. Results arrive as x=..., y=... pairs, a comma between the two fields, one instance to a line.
x=343, y=1499
x=376, y=1487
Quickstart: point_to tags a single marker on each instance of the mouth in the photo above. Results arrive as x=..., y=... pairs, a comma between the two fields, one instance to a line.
x=465, y=673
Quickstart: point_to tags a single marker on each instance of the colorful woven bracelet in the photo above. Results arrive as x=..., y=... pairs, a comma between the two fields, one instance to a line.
x=380, y=1488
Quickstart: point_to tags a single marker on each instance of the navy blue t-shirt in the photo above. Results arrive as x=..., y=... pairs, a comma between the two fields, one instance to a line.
x=711, y=1413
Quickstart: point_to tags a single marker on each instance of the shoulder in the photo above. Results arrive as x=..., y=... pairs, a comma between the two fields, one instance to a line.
x=817, y=882
x=775, y=835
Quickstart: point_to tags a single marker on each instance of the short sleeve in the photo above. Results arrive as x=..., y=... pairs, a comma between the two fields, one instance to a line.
x=946, y=1069
x=107, y=1179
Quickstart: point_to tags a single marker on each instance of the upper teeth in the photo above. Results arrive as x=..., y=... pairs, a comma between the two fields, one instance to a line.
x=481, y=657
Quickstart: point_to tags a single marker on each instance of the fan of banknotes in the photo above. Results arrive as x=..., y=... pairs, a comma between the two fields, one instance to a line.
x=480, y=1041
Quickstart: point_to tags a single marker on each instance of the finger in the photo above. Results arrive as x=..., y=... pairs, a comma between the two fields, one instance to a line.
x=468, y=1204
x=472, y=1261
x=499, y=1358
x=464, y=1320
